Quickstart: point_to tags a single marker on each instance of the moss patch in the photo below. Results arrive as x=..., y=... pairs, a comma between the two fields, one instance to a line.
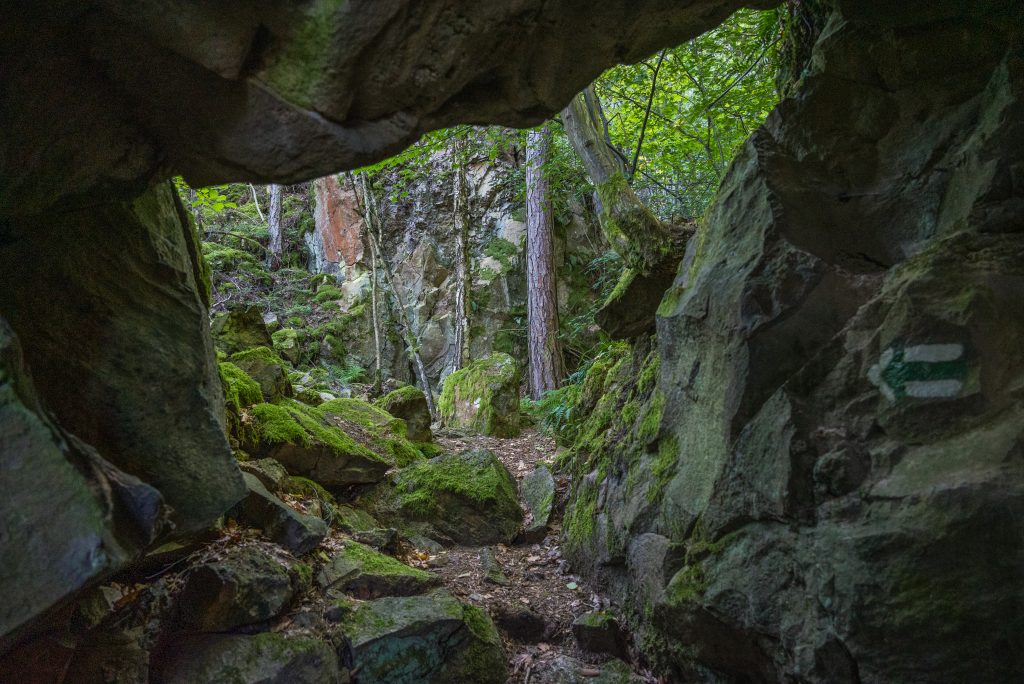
x=483, y=397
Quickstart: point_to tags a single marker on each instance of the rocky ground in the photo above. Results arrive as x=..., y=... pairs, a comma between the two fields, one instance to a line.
x=528, y=589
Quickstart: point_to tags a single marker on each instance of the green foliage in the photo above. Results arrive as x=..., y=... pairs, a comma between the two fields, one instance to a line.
x=711, y=93
x=210, y=199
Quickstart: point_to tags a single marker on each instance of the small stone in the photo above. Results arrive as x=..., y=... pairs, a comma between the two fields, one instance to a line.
x=491, y=568
x=599, y=632
x=267, y=471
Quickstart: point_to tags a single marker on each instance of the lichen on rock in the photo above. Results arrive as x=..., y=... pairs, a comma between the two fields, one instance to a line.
x=483, y=397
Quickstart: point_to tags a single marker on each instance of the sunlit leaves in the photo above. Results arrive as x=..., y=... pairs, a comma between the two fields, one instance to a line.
x=210, y=199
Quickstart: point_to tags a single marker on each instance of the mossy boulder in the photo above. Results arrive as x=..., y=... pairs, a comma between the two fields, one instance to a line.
x=410, y=404
x=297, y=532
x=288, y=343
x=240, y=391
x=431, y=639
x=538, y=489
x=268, y=369
x=267, y=657
x=240, y=329
x=483, y=397
x=364, y=573
x=339, y=443
x=246, y=586
x=468, y=498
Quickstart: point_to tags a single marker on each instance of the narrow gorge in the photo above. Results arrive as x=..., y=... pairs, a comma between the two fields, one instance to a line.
x=391, y=341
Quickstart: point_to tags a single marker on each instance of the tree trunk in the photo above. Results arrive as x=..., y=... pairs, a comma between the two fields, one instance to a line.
x=631, y=229
x=377, y=370
x=276, y=247
x=461, y=214
x=409, y=334
x=546, y=365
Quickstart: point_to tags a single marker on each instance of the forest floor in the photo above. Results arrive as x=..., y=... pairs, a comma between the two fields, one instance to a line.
x=539, y=579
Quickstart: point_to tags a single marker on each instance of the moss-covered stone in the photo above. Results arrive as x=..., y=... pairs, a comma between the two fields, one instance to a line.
x=240, y=391
x=409, y=404
x=432, y=638
x=267, y=657
x=364, y=573
x=239, y=329
x=483, y=397
x=340, y=442
x=287, y=343
x=468, y=498
x=268, y=369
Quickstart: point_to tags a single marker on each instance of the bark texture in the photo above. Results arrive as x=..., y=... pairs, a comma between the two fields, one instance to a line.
x=546, y=365
x=276, y=246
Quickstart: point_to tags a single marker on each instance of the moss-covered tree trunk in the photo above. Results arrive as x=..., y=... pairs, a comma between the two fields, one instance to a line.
x=629, y=226
x=546, y=365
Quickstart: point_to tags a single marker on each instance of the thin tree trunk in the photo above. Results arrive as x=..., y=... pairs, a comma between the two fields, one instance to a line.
x=409, y=335
x=630, y=227
x=546, y=364
x=276, y=247
x=256, y=201
x=461, y=214
x=377, y=371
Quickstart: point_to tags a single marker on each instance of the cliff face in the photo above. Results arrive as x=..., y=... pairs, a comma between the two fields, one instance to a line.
x=418, y=244
x=835, y=485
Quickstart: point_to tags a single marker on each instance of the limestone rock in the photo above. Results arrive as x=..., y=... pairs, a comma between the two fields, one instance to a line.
x=245, y=586
x=538, y=489
x=432, y=639
x=269, y=371
x=469, y=498
x=599, y=632
x=123, y=358
x=267, y=657
x=283, y=525
x=240, y=329
x=410, y=404
x=338, y=443
x=483, y=397
x=364, y=573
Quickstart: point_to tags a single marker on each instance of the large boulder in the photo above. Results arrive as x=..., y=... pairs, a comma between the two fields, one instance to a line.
x=410, y=404
x=123, y=356
x=430, y=639
x=469, y=498
x=239, y=329
x=61, y=527
x=483, y=397
x=338, y=443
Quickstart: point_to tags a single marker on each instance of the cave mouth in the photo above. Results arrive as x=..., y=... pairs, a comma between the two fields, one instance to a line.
x=805, y=468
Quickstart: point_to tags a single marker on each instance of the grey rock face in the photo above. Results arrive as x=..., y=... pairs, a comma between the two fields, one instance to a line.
x=59, y=529
x=336, y=85
x=538, y=489
x=841, y=356
x=268, y=657
x=122, y=357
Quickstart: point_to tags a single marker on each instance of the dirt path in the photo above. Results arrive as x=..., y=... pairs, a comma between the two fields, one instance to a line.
x=536, y=609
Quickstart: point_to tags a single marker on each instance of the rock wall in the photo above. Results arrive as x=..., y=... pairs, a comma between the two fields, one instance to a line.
x=838, y=479
x=419, y=247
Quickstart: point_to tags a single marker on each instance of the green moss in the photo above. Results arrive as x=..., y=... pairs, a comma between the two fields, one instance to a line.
x=385, y=432
x=262, y=354
x=686, y=586
x=503, y=251
x=481, y=381
x=327, y=293
x=224, y=259
x=375, y=563
x=403, y=395
x=303, y=576
x=482, y=481
x=304, y=487
x=578, y=526
x=240, y=391
x=650, y=424
x=663, y=467
x=296, y=71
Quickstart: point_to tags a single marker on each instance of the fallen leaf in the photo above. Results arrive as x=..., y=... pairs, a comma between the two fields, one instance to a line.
x=572, y=585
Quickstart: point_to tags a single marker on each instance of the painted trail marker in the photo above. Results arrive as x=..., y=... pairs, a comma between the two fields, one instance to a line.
x=920, y=371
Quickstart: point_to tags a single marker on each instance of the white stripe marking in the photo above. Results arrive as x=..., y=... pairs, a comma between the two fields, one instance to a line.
x=933, y=353
x=932, y=389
